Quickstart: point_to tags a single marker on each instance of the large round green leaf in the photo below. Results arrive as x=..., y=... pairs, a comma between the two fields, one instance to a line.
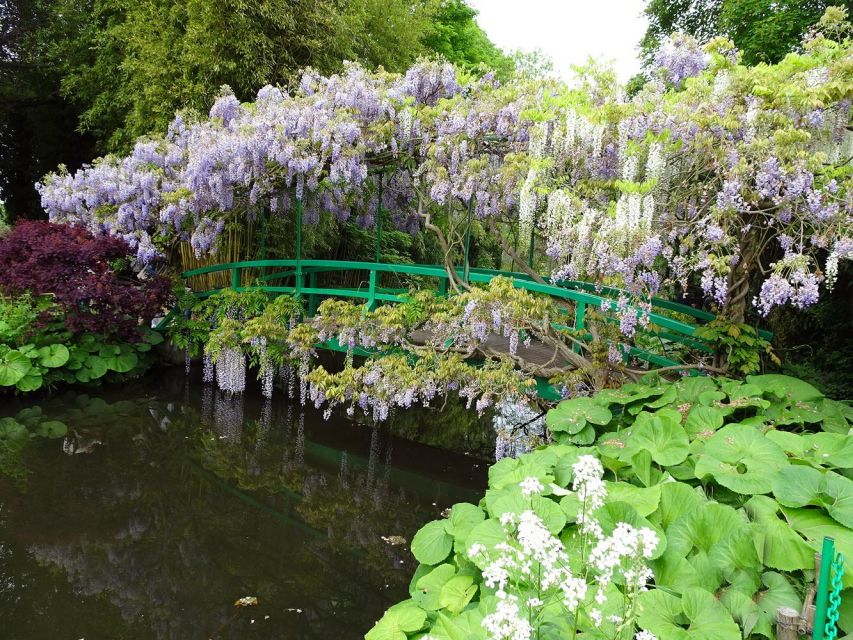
x=570, y=416
x=53, y=356
x=30, y=382
x=703, y=421
x=488, y=533
x=782, y=386
x=777, y=543
x=400, y=620
x=13, y=366
x=799, y=486
x=457, y=593
x=832, y=449
x=122, y=362
x=463, y=518
x=662, y=435
x=696, y=615
x=427, y=590
x=740, y=458
x=95, y=366
x=814, y=525
x=432, y=543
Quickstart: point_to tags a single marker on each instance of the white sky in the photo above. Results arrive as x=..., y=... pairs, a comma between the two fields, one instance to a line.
x=568, y=31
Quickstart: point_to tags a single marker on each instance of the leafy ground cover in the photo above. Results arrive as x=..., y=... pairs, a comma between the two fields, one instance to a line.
x=687, y=510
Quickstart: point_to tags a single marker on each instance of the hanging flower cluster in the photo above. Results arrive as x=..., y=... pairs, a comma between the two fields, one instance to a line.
x=696, y=180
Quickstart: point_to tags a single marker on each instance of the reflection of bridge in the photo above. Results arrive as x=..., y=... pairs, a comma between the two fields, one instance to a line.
x=672, y=325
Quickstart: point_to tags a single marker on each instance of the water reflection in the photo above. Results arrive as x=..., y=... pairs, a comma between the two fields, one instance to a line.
x=169, y=501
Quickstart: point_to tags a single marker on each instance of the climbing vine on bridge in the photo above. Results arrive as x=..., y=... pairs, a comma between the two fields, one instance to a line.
x=716, y=180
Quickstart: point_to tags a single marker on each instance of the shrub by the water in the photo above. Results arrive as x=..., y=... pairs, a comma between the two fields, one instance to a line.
x=88, y=276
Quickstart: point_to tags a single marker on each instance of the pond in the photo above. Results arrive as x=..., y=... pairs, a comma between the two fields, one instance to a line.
x=169, y=501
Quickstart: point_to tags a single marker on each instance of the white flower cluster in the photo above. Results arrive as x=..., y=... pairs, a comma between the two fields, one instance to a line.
x=533, y=560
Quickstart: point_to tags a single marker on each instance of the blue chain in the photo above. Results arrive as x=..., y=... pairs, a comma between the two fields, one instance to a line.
x=831, y=628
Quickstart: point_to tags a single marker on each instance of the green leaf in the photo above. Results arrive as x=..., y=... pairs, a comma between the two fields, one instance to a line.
x=613, y=513
x=13, y=366
x=466, y=626
x=96, y=367
x=799, y=486
x=645, y=501
x=570, y=416
x=51, y=429
x=814, y=525
x=400, y=620
x=740, y=458
x=778, y=545
x=122, y=362
x=428, y=588
x=832, y=449
x=56, y=355
x=463, y=518
x=457, y=593
x=785, y=386
x=488, y=533
x=662, y=435
x=696, y=615
x=703, y=421
x=30, y=382
x=432, y=543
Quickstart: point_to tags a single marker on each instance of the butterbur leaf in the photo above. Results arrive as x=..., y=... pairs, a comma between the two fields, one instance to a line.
x=30, y=382
x=432, y=543
x=570, y=416
x=457, y=593
x=703, y=421
x=662, y=435
x=740, y=458
x=463, y=518
x=696, y=615
x=785, y=387
x=56, y=355
x=400, y=620
x=13, y=366
x=427, y=590
x=778, y=545
x=798, y=486
x=814, y=525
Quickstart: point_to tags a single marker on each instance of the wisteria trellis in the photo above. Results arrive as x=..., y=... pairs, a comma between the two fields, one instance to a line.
x=712, y=172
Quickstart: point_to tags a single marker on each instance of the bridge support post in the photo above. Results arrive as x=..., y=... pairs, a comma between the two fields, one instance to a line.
x=299, y=277
x=467, y=267
x=580, y=314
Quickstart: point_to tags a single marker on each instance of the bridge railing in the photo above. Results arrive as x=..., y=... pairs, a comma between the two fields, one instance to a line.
x=582, y=294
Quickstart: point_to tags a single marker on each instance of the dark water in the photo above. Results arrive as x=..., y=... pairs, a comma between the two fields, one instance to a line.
x=168, y=502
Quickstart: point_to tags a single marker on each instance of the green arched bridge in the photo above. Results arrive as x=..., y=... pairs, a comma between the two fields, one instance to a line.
x=674, y=324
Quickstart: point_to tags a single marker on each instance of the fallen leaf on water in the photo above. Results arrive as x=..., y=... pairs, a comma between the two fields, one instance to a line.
x=394, y=540
x=247, y=601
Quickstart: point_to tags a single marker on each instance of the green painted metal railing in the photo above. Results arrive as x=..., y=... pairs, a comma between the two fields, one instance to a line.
x=582, y=294
x=828, y=597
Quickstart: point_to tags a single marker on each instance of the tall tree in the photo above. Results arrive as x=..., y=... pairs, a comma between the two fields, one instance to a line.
x=37, y=125
x=117, y=69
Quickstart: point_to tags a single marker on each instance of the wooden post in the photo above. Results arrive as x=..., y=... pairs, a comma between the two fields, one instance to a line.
x=787, y=620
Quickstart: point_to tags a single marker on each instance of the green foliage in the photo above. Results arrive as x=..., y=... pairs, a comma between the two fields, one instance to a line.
x=130, y=65
x=37, y=352
x=455, y=35
x=737, y=345
x=763, y=30
x=741, y=481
